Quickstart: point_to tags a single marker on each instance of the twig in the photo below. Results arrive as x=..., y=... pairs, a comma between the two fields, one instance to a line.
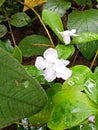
x=94, y=59
x=40, y=21
x=13, y=39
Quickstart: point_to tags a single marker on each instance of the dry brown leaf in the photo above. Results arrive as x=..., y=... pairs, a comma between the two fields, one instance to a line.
x=32, y=3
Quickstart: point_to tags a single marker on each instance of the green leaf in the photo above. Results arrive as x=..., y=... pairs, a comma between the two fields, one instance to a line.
x=91, y=87
x=71, y=107
x=43, y=116
x=96, y=70
x=65, y=52
x=17, y=54
x=34, y=45
x=38, y=74
x=1, y=2
x=88, y=21
x=58, y=6
x=85, y=38
x=79, y=73
x=53, y=20
x=20, y=94
x=82, y=2
x=20, y=19
x=3, y=30
x=6, y=45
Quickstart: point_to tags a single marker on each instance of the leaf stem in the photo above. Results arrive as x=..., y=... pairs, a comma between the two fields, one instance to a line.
x=94, y=59
x=40, y=21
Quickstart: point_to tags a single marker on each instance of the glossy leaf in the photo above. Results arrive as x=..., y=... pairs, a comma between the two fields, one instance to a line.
x=34, y=45
x=1, y=2
x=65, y=52
x=91, y=87
x=6, y=45
x=79, y=73
x=32, y=3
x=17, y=54
x=58, y=6
x=71, y=107
x=85, y=38
x=20, y=19
x=53, y=20
x=88, y=21
x=20, y=94
x=3, y=30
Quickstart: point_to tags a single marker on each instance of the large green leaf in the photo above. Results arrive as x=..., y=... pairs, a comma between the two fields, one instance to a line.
x=34, y=45
x=58, y=6
x=53, y=20
x=85, y=21
x=20, y=94
x=71, y=107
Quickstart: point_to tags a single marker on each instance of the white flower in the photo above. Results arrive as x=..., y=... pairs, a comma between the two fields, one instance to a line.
x=52, y=66
x=67, y=35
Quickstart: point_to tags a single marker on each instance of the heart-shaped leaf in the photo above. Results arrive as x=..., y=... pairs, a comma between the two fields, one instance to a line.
x=34, y=45
x=20, y=19
x=20, y=94
x=88, y=21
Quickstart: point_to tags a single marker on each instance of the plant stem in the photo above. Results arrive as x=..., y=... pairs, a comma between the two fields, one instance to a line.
x=40, y=21
x=94, y=59
x=13, y=39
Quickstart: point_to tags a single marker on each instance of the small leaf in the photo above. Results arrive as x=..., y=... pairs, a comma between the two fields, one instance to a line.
x=20, y=94
x=1, y=2
x=34, y=45
x=85, y=38
x=20, y=19
x=53, y=20
x=58, y=6
x=3, y=30
x=6, y=45
x=17, y=54
x=32, y=3
x=64, y=51
x=34, y=72
x=71, y=107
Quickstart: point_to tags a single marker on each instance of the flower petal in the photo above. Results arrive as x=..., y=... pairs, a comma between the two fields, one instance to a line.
x=72, y=33
x=50, y=54
x=49, y=74
x=63, y=72
x=41, y=63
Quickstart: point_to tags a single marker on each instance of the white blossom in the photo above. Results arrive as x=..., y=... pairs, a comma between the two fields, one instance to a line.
x=67, y=35
x=52, y=66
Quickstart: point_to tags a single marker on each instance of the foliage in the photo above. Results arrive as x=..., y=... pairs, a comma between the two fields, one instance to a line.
x=27, y=98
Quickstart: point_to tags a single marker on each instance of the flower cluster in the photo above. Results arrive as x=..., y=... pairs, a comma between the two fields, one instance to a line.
x=52, y=66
